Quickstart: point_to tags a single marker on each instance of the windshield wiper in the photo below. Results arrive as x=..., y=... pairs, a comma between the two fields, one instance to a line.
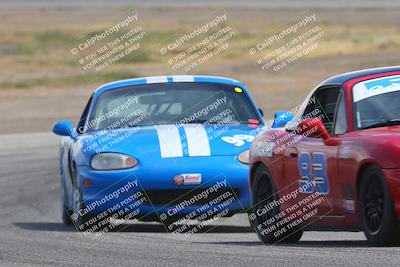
x=196, y=121
x=383, y=124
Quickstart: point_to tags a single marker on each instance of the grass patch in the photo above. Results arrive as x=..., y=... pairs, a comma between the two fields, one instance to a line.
x=54, y=38
x=142, y=57
x=66, y=81
x=51, y=48
x=44, y=41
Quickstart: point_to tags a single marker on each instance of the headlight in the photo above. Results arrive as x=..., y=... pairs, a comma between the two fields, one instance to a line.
x=244, y=157
x=112, y=161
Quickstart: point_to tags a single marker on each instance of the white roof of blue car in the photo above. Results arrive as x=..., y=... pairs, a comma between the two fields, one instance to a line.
x=167, y=79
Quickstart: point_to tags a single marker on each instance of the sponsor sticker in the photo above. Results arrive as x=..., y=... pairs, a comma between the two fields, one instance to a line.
x=187, y=179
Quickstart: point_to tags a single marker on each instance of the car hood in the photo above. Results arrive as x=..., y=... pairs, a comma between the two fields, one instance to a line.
x=171, y=141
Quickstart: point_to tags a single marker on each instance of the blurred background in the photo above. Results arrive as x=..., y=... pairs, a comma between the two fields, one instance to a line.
x=41, y=82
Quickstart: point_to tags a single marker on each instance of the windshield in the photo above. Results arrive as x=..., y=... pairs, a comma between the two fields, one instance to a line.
x=172, y=103
x=376, y=102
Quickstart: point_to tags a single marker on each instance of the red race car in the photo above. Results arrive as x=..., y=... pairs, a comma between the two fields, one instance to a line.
x=335, y=165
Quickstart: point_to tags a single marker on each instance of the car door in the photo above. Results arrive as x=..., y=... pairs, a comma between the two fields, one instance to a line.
x=345, y=179
x=310, y=160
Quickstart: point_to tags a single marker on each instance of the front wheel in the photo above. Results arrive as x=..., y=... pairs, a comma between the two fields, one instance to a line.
x=81, y=220
x=377, y=211
x=264, y=194
x=65, y=212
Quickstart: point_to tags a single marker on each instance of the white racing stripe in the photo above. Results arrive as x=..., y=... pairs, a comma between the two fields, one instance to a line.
x=170, y=141
x=157, y=79
x=182, y=78
x=197, y=140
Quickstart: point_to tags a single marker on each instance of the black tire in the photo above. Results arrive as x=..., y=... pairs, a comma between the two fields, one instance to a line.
x=65, y=212
x=88, y=222
x=293, y=237
x=80, y=221
x=264, y=192
x=378, y=217
x=84, y=222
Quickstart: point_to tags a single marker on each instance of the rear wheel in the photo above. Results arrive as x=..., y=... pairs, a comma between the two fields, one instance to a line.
x=264, y=193
x=378, y=218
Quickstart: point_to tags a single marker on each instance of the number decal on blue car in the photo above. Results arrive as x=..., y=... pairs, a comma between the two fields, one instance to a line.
x=312, y=169
x=238, y=139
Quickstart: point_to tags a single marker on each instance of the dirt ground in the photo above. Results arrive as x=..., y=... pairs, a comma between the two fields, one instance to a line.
x=37, y=108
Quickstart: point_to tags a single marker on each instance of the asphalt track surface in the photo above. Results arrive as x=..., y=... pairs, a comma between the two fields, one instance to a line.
x=31, y=232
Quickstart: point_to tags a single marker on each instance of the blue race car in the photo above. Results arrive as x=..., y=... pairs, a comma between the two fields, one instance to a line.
x=168, y=149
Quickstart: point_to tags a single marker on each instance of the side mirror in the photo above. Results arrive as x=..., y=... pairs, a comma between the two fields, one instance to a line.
x=64, y=128
x=314, y=127
x=281, y=118
x=261, y=112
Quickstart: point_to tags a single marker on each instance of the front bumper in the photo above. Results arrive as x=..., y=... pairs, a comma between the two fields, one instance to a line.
x=150, y=191
x=393, y=181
